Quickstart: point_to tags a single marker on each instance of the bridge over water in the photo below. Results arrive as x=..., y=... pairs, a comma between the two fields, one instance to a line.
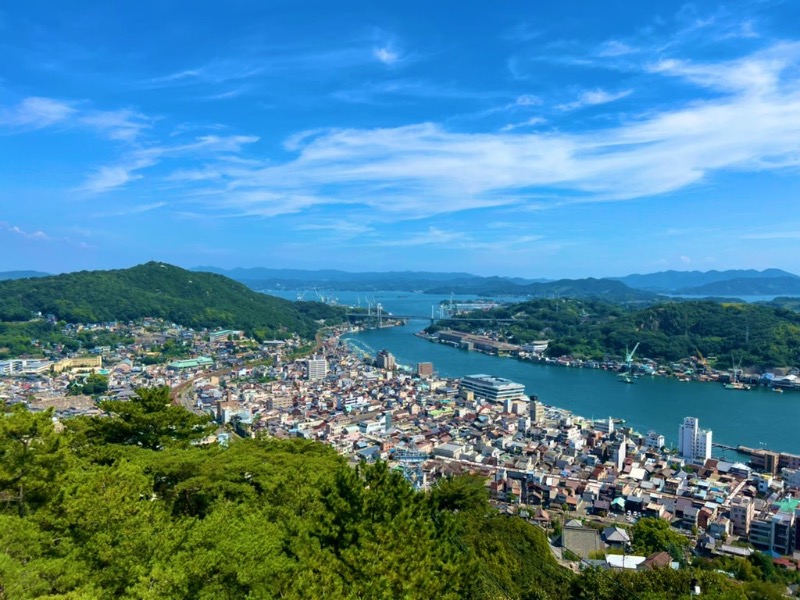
x=431, y=318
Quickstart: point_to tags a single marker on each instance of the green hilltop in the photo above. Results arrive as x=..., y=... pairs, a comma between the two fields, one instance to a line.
x=164, y=291
x=758, y=335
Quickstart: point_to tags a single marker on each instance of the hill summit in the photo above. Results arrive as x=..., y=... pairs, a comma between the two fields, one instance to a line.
x=164, y=291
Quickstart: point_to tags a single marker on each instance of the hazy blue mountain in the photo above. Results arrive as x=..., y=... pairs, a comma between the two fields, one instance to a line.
x=331, y=275
x=614, y=291
x=486, y=286
x=21, y=274
x=407, y=281
x=607, y=289
x=674, y=281
x=742, y=286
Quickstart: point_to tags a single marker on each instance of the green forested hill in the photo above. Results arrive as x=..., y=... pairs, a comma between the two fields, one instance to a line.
x=159, y=290
x=758, y=335
x=126, y=506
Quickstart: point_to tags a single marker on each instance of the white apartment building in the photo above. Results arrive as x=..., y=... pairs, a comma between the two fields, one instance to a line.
x=654, y=441
x=694, y=443
x=317, y=368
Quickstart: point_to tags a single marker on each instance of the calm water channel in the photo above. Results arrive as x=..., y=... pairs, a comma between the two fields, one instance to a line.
x=752, y=418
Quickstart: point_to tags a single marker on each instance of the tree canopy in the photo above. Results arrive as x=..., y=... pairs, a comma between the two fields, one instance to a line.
x=129, y=506
x=754, y=334
x=192, y=299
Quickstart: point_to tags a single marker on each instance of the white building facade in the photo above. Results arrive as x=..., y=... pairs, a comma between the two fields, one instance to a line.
x=694, y=443
x=317, y=368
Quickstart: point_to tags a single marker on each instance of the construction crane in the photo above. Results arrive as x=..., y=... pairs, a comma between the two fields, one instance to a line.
x=629, y=356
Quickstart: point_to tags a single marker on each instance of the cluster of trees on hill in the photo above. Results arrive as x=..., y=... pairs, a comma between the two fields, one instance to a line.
x=755, y=334
x=162, y=291
x=128, y=506
x=39, y=336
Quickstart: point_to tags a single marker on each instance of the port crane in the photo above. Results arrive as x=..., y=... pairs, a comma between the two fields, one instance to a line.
x=627, y=375
x=629, y=356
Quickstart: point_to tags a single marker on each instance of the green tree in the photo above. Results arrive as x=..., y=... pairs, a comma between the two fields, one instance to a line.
x=655, y=535
x=31, y=458
x=149, y=420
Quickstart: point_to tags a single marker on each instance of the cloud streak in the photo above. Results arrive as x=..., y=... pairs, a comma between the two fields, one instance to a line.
x=594, y=98
x=36, y=113
x=425, y=169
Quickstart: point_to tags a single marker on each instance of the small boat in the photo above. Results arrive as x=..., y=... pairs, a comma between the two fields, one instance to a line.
x=625, y=378
x=737, y=385
x=777, y=390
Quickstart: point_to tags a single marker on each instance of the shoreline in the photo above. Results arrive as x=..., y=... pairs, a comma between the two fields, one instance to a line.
x=615, y=367
x=744, y=453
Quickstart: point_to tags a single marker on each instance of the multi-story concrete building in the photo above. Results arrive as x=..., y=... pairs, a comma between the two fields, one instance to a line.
x=604, y=425
x=24, y=366
x=537, y=411
x=386, y=360
x=425, y=369
x=774, y=532
x=742, y=511
x=694, y=443
x=317, y=368
x=654, y=441
x=493, y=389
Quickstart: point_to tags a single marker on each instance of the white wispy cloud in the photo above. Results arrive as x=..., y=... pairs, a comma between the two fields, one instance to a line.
x=386, y=55
x=425, y=169
x=613, y=48
x=28, y=235
x=532, y=122
x=133, y=209
x=339, y=227
x=36, y=113
x=40, y=236
x=457, y=240
x=594, y=98
x=124, y=125
x=757, y=74
x=110, y=177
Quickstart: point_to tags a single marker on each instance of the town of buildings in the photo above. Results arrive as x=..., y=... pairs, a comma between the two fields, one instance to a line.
x=540, y=462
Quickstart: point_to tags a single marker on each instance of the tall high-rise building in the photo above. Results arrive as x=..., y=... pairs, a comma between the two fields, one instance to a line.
x=537, y=411
x=386, y=360
x=317, y=368
x=694, y=443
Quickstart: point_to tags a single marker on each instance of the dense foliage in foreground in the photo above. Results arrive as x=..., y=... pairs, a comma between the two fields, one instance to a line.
x=127, y=507
x=162, y=291
x=755, y=334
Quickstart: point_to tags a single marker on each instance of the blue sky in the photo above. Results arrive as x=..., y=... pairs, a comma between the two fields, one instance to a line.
x=521, y=138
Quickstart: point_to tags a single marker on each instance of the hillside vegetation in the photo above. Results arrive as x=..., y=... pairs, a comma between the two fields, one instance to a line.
x=126, y=506
x=758, y=335
x=162, y=291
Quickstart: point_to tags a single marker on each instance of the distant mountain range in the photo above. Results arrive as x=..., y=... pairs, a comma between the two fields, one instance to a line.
x=631, y=288
x=402, y=281
x=760, y=286
x=4, y=275
x=687, y=282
